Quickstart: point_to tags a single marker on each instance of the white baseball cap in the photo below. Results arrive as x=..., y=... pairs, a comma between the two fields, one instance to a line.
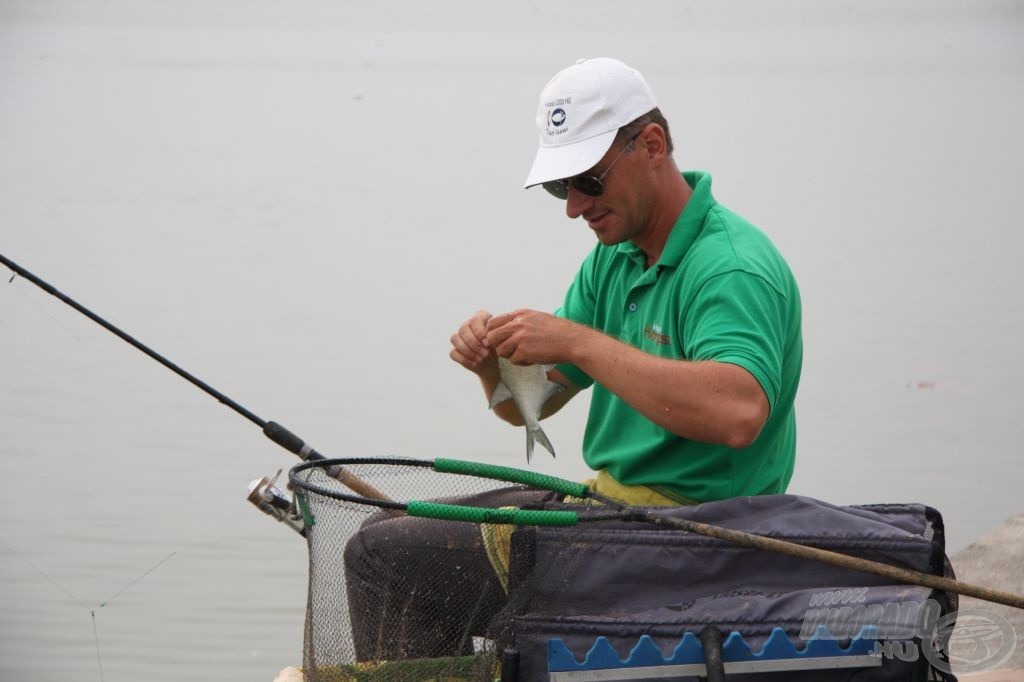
x=580, y=111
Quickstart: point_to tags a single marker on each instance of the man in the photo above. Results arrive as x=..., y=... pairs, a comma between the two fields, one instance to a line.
x=684, y=318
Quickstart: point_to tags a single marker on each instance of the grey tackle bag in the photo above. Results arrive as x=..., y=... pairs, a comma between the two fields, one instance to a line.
x=622, y=580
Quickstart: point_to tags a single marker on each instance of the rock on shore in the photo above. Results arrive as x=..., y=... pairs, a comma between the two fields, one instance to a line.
x=996, y=560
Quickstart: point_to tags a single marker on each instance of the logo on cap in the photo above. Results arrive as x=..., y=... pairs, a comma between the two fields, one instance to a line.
x=557, y=117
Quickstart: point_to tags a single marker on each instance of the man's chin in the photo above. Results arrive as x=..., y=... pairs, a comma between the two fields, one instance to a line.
x=607, y=237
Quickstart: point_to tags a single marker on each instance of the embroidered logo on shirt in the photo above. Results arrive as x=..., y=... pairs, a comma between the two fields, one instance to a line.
x=653, y=333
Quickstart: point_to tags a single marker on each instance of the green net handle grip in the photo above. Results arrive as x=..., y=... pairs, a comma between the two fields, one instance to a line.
x=500, y=473
x=514, y=517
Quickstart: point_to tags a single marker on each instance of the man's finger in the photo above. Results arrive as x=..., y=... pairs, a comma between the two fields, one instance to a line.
x=499, y=321
x=467, y=342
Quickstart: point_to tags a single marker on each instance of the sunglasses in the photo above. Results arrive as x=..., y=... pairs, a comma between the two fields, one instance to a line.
x=590, y=185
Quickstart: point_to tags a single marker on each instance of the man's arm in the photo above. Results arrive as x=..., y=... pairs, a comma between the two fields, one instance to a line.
x=708, y=401
x=470, y=349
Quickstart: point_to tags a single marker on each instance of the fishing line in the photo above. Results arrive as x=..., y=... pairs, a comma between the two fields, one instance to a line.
x=45, y=575
x=96, y=636
x=129, y=585
x=40, y=307
x=95, y=632
x=92, y=612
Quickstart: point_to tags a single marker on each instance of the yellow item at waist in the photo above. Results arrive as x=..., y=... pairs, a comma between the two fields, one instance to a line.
x=633, y=495
x=498, y=538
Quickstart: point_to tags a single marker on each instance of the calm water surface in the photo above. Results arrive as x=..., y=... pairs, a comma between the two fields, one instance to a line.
x=299, y=202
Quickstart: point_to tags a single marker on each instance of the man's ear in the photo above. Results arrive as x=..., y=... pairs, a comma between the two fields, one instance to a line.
x=654, y=144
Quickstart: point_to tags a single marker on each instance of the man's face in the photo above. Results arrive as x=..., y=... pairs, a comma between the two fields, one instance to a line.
x=621, y=212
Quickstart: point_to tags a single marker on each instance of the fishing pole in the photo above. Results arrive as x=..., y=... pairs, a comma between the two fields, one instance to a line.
x=272, y=430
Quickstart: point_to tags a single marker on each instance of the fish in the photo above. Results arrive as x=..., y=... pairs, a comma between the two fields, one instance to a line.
x=530, y=388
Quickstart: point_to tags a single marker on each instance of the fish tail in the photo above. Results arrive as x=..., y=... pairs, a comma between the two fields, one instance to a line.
x=539, y=436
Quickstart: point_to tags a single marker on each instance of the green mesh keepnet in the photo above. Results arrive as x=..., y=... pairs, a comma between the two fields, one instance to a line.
x=394, y=597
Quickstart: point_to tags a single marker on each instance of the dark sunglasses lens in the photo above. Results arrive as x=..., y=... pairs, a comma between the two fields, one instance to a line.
x=557, y=188
x=588, y=184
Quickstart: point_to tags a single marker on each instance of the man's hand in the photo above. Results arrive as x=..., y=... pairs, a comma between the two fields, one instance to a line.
x=470, y=347
x=530, y=337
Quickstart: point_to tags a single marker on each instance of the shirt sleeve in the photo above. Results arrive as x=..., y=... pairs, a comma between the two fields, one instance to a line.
x=739, y=318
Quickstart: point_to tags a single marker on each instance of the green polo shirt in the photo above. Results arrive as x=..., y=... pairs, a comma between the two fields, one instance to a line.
x=722, y=292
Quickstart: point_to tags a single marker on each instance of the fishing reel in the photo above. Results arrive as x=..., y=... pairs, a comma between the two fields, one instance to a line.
x=276, y=503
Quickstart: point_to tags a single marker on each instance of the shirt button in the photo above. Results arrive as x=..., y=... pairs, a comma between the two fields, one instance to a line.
x=632, y=307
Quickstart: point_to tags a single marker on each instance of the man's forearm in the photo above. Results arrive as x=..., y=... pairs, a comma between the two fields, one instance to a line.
x=707, y=401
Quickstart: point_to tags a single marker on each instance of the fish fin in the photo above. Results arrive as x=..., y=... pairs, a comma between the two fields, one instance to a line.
x=500, y=395
x=529, y=445
x=542, y=438
x=552, y=388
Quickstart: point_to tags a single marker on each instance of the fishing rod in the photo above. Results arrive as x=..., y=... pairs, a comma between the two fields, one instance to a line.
x=272, y=430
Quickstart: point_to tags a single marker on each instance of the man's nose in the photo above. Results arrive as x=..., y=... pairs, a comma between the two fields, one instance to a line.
x=577, y=202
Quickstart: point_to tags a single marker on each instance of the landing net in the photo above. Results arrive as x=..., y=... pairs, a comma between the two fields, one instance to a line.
x=398, y=597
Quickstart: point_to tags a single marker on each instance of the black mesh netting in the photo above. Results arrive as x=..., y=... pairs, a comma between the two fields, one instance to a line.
x=394, y=597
